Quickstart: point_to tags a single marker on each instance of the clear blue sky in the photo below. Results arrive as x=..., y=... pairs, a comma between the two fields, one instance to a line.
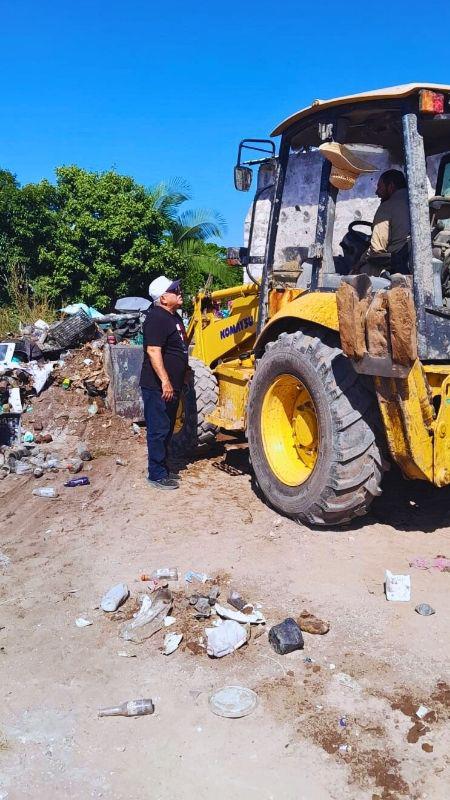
x=167, y=89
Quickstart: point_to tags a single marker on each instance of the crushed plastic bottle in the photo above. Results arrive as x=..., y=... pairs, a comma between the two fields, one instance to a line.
x=84, y=481
x=114, y=597
x=46, y=491
x=169, y=573
x=150, y=617
x=133, y=708
x=201, y=577
x=23, y=468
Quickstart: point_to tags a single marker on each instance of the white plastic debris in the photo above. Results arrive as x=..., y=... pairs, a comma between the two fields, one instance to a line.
x=171, y=642
x=226, y=638
x=41, y=325
x=124, y=654
x=422, y=711
x=201, y=577
x=15, y=401
x=169, y=621
x=255, y=617
x=114, y=597
x=347, y=680
x=39, y=374
x=80, y=622
x=398, y=587
x=149, y=619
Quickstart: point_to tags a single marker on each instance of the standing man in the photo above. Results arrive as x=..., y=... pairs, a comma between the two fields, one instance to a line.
x=163, y=374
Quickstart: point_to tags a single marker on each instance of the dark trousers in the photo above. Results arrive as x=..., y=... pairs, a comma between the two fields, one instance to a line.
x=160, y=420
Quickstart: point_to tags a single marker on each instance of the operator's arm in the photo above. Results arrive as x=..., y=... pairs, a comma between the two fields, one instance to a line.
x=380, y=236
x=156, y=360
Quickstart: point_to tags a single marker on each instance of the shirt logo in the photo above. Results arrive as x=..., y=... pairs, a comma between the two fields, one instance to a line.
x=247, y=322
x=182, y=332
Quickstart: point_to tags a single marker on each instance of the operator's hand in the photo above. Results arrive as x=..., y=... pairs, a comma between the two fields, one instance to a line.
x=167, y=390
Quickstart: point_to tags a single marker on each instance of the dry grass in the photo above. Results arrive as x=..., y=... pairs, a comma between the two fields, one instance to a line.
x=23, y=308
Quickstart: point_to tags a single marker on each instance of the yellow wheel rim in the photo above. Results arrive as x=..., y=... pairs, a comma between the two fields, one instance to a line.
x=179, y=419
x=289, y=430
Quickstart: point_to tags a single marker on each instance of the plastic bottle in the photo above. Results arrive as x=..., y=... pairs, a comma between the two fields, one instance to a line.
x=46, y=491
x=84, y=481
x=169, y=573
x=133, y=708
x=114, y=597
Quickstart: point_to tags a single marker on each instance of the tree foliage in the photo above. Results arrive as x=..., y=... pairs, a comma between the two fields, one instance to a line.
x=96, y=236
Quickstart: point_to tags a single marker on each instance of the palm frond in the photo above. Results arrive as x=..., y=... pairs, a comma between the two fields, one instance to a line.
x=168, y=196
x=199, y=224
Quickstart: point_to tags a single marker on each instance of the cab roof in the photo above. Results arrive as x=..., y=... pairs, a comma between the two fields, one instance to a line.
x=376, y=94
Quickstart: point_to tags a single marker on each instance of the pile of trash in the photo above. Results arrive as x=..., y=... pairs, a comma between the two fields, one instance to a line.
x=31, y=458
x=39, y=356
x=195, y=615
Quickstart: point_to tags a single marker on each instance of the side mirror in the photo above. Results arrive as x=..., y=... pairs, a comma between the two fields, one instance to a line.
x=237, y=256
x=242, y=178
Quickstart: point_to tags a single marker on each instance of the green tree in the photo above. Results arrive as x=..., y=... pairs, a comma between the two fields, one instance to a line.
x=109, y=239
x=27, y=222
x=95, y=236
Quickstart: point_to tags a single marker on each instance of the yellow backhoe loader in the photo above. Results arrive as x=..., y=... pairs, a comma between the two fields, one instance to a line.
x=331, y=375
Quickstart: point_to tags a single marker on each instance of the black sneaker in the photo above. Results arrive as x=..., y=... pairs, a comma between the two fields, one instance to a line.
x=174, y=476
x=167, y=484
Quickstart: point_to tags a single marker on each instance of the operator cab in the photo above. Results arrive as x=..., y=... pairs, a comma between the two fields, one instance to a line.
x=316, y=232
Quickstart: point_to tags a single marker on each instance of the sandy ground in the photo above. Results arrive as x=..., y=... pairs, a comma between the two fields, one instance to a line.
x=377, y=664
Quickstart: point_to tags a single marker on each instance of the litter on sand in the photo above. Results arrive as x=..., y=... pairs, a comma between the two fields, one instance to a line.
x=225, y=638
x=252, y=615
x=398, y=587
x=172, y=642
x=201, y=577
x=440, y=563
x=150, y=617
x=425, y=610
x=133, y=708
x=114, y=597
x=233, y=702
x=81, y=622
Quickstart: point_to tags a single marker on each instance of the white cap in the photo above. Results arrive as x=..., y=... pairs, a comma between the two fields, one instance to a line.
x=159, y=286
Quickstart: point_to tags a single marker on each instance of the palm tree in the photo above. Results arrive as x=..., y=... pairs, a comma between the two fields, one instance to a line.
x=189, y=231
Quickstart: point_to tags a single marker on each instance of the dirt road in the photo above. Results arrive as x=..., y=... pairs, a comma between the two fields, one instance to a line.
x=361, y=684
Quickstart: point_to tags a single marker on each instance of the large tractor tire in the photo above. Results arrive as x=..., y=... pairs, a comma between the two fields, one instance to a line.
x=311, y=432
x=193, y=434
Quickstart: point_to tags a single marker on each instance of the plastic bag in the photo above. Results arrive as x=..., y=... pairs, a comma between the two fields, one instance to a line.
x=149, y=619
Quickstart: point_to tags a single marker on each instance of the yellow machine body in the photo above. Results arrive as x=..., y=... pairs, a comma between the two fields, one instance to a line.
x=222, y=333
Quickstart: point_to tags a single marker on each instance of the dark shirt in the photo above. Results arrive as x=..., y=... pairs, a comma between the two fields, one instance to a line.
x=165, y=330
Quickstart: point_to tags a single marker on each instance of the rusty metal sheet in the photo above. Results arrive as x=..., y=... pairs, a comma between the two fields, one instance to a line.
x=123, y=364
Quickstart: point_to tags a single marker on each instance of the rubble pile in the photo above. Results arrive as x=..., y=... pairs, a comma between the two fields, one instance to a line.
x=68, y=353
